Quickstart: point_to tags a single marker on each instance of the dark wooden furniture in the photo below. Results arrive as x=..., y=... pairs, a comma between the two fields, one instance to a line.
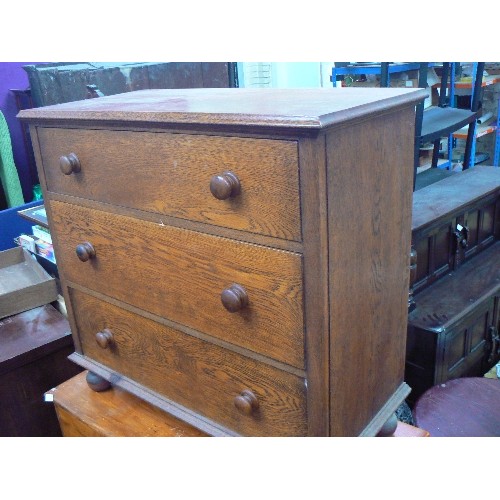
x=34, y=346
x=55, y=83
x=453, y=331
x=464, y=407
x=454, y=220
x=236, y=257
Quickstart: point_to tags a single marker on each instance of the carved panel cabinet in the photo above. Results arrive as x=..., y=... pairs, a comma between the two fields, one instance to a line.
x=238, y=257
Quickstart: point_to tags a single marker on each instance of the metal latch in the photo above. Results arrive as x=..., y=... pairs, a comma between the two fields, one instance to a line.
x=495, y=342
x=462, y=236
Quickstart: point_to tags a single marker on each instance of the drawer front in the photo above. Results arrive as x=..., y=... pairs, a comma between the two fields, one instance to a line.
x=194, y=373
x=180, y=275
x=171, y=174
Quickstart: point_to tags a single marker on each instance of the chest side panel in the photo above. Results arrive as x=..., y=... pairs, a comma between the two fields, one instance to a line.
x=370, y=172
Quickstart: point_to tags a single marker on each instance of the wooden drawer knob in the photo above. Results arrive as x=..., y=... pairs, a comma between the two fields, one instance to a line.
x=246, y=402
x=104, y=339
x=225, y=185
x=85, y=251
x=234, y=298
x=69, y=164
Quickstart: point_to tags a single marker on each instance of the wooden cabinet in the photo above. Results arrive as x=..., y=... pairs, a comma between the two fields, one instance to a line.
x=236, y=257
x=454, y=220
x=34, y=346
x=453, y=330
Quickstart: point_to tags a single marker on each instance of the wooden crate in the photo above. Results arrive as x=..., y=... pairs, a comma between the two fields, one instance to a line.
x=24, y=284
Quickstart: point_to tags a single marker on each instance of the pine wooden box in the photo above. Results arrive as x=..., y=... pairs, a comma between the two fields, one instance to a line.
x=24, y=284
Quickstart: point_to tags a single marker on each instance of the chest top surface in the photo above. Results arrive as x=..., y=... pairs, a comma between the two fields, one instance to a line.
x=269, y=108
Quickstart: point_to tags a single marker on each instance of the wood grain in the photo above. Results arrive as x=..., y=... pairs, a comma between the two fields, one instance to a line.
x=25, y=336
x=313, y=190
x=190, y=371
x=180, y=274
x=369, y=206
x=176, y=170
x=115, y=413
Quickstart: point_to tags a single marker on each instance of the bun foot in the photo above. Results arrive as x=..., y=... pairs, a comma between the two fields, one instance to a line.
x=389, y=428
x=97, y=383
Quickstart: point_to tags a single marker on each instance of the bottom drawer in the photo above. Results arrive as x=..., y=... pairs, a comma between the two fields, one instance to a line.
x=201, y=376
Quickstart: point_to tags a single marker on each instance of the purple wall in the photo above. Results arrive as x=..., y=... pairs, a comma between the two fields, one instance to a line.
x=13, y=76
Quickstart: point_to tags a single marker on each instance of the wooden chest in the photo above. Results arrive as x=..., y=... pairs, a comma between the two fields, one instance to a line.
x=454, y=220
x=238, y=257
x=454, y=329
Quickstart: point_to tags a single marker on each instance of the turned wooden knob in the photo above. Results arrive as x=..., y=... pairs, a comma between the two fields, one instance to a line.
x=246, y=402
x=85, y=251
x=104, y=338
x=69, y=164
x=225, y=185
x=234, y=298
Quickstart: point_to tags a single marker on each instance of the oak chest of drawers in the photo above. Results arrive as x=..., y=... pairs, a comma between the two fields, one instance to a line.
x=238, y=257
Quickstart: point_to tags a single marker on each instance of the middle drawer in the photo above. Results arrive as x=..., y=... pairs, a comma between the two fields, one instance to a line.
x=183, y=275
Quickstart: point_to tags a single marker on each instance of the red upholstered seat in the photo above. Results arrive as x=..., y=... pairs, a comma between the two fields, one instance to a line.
x=463, y=407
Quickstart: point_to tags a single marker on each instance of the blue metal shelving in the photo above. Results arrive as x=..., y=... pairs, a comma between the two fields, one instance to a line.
x=373, y=69
x=439, y=121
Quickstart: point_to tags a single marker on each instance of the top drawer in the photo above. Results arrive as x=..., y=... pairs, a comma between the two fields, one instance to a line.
x=172, y=174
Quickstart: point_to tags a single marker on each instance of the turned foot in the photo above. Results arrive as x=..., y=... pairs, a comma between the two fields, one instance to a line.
x=389, y=428
x=96, y=382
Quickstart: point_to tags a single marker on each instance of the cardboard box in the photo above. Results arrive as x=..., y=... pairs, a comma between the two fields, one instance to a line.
x=393, y=83
x=24, y=283
x=409, y=83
